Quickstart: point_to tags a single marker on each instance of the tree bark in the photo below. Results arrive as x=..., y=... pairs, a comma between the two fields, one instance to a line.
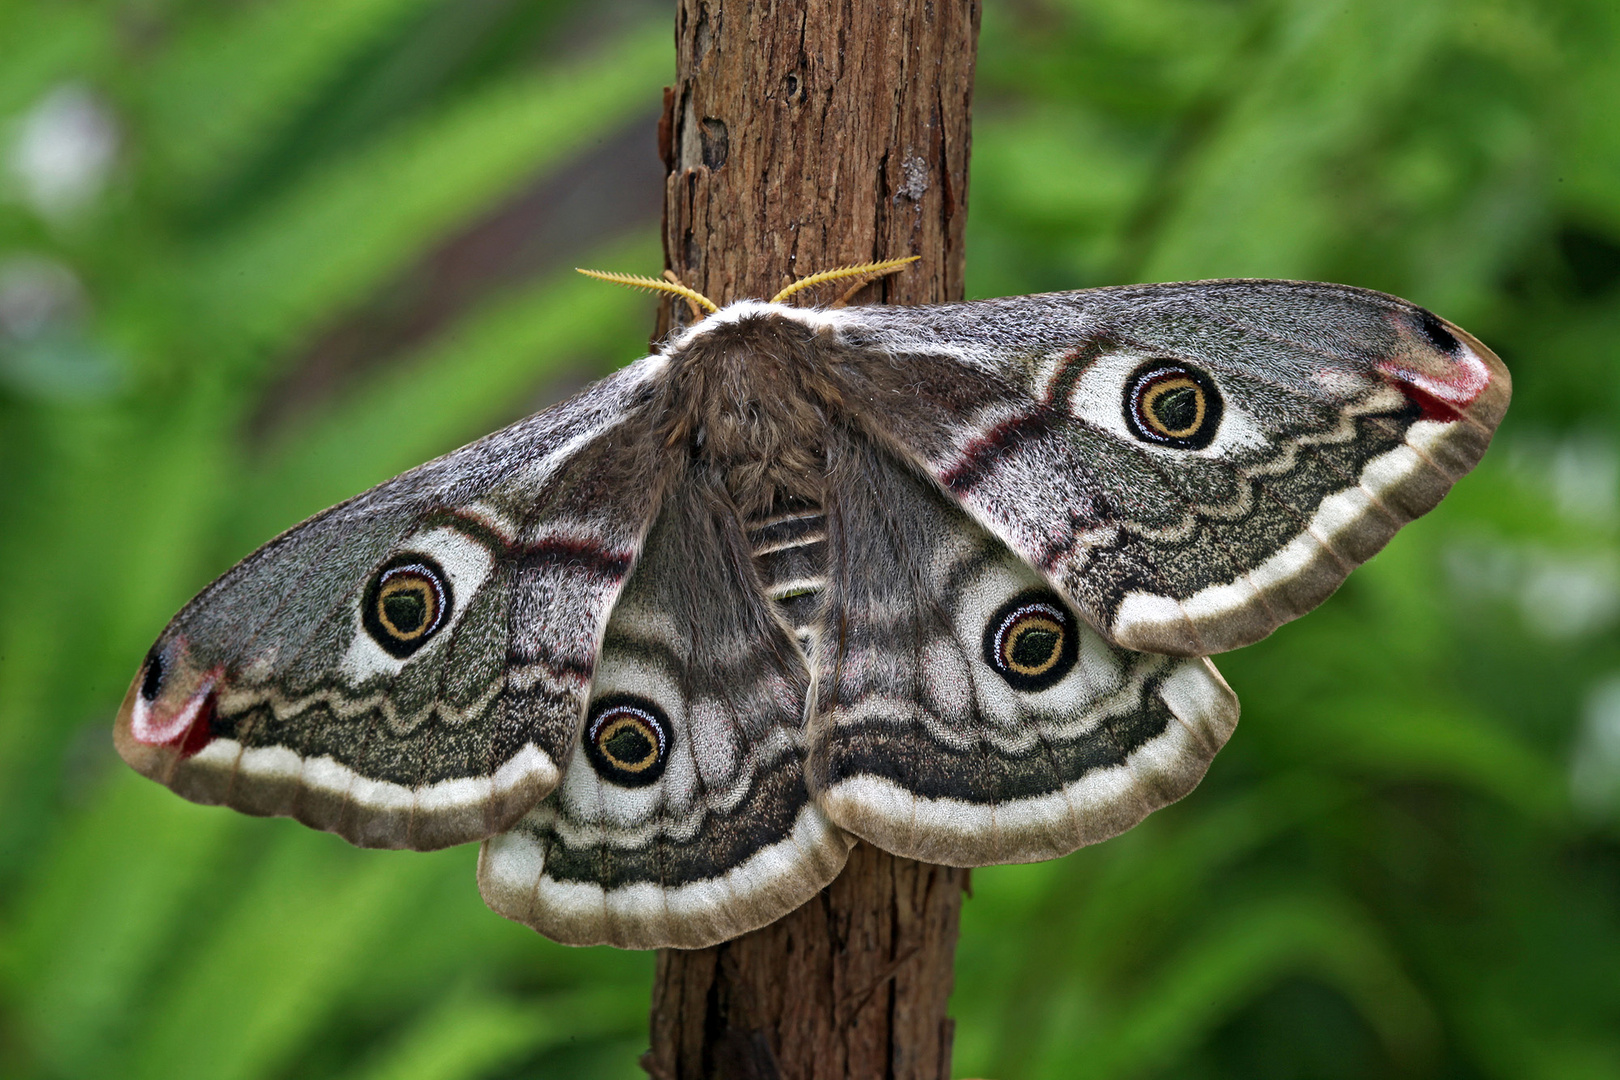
x=798, y=138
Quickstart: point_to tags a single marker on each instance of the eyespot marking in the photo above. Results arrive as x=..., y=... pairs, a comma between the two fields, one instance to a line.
x=1031, y=641
x=406, y=603
x=1172, y=404
x=627, y=740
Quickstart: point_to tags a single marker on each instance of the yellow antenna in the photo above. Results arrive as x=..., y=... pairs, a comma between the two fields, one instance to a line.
x=867, y=270
x=691, y=304
x=694, y=299
x=636, y=281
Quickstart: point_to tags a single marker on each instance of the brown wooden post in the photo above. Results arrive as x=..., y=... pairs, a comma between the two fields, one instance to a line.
x=801, y=137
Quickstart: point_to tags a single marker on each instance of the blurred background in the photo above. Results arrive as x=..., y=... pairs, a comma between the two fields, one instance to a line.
x=257, y=255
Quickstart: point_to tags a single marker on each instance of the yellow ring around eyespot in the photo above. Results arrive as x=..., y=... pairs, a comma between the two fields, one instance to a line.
x=1024, y=626
x=403, y=583
x=1158, y=390
x=608, y=730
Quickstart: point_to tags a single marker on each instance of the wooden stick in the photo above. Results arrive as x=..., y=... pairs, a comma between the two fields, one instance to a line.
x=800, y=137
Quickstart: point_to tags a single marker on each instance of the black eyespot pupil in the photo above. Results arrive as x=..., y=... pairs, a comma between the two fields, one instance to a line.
x=1033, y=647
x=629, y=745
x=1177, y=409
x=406, y=611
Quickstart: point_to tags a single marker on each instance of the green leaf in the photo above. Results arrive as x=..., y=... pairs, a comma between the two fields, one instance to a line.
x=342, y=231
x=235, y=76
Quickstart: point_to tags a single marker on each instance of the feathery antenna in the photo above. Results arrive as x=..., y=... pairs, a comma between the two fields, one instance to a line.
x=868, y=271
x=694, y=299
x=636, y=281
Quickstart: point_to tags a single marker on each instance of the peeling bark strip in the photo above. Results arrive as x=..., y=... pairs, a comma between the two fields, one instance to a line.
x=801, y=137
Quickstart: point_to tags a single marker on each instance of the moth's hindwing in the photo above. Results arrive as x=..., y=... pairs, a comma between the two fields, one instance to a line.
x=966, y=714
x=683, y=818
x=409, y=669
x=1192, y=464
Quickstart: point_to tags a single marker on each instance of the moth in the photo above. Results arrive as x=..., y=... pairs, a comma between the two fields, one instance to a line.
x=943, y=578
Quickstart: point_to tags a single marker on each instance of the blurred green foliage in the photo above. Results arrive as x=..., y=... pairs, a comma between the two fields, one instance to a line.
x=257, y=255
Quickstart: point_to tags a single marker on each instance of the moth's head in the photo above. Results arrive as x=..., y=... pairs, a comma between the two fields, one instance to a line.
x=756, y=328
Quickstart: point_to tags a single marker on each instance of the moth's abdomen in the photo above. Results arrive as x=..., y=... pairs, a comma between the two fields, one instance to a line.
x=790, y=549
